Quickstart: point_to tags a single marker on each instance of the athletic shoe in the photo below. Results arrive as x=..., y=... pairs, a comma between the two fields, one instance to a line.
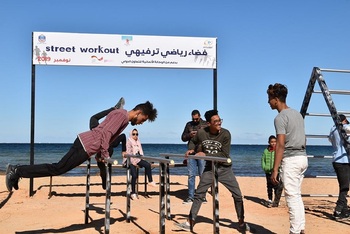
x=244, y=227
x=134, y=196
x=186, y=226
x=120, y=104
x=11, y=178
x=275, y=204
x=152, y=184
x=339, y=216
x=187, y=201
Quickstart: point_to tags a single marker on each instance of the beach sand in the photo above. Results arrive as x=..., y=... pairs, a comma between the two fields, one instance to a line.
x=64, y=211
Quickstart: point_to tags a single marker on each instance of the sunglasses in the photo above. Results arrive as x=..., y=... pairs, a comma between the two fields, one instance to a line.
x=135, y=134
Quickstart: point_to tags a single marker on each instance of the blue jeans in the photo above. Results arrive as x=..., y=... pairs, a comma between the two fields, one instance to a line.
x=194, y=166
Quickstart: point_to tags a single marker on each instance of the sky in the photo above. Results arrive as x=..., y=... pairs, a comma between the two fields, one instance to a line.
x=258, y=43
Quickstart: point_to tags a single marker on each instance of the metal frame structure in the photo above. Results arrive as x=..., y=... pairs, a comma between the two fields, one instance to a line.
x=327, y=94
x=32, y=115
x=214, y=188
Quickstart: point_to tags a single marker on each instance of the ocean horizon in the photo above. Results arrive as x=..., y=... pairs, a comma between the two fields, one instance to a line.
x=246, y=158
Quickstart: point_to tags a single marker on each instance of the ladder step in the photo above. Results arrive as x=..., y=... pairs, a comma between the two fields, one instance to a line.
x=333, y=91
x=316, y=136
x=327, y=115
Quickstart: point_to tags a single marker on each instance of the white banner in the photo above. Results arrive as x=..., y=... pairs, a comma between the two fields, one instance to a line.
x=50, y=48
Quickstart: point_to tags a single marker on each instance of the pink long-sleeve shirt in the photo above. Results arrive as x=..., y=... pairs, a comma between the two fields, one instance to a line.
x=99, y=138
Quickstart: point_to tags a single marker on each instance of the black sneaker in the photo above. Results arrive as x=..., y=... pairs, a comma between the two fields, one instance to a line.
x=11, y=178
x=244, y=227
x=120, y=104
x=187, y=201
x=339, y=216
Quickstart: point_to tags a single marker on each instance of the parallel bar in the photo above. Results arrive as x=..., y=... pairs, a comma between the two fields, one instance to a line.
x=171, y=162
x=210, y=158
x=214, y=188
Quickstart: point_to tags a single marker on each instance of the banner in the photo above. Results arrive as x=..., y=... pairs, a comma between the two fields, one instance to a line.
x=79, y=49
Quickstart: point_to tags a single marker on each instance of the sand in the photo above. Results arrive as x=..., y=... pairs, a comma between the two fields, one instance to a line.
x=64, y=211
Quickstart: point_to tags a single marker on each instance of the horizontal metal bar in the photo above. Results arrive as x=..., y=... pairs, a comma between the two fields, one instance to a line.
x=320, y=156
x=316, y=136
x=334, y=70
x=327, y=115
x=333, y=91
x=162, y=160
x=208, y=157
x=112, y=161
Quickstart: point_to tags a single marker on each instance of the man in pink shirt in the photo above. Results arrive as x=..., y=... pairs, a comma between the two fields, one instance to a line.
x=85, y=145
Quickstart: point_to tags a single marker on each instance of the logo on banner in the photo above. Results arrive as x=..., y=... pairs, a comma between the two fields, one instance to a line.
x=208, y=44
x=96, y=59
x=42, y=38
x=127, y=40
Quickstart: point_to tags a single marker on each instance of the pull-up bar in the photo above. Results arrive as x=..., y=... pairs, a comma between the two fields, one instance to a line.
x=215, y=187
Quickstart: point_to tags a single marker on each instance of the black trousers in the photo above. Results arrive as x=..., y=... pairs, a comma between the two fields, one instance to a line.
x=73, y=158
x=343, y=175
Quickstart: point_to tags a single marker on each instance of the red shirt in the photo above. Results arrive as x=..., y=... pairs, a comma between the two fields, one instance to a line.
x=99, y=138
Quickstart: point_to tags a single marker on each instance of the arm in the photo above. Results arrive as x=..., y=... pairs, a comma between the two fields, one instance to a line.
x=278, y=156
x=186, y=134
x=263, y=157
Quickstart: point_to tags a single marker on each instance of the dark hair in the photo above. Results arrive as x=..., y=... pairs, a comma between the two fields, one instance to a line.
x=271, y=137
x=195, y=112
x=147, y=109
x=277, y=90
x=209, y=114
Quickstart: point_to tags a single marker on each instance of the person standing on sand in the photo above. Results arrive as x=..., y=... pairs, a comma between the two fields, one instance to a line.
x=86, y=144
x=215, y=141
x=194, y=166
x=291, y=151
x=267, y=159
x=341, y=167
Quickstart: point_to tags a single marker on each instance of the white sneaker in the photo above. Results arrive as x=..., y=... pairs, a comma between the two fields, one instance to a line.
x=134, y=196
x=153, y=184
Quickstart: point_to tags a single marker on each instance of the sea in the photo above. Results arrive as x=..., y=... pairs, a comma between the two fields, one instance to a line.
x=246, y=159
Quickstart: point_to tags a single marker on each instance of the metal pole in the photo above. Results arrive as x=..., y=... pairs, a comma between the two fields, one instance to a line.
x=108, y=199
x=215, y=86
x=128, y=190
x=161, y=198
x=215, y=191
x=87, y=196
x=32, y=122
x=167, y=191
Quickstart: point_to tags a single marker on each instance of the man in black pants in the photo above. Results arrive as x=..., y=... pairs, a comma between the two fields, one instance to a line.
x=214, y=141
x=94, y=122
